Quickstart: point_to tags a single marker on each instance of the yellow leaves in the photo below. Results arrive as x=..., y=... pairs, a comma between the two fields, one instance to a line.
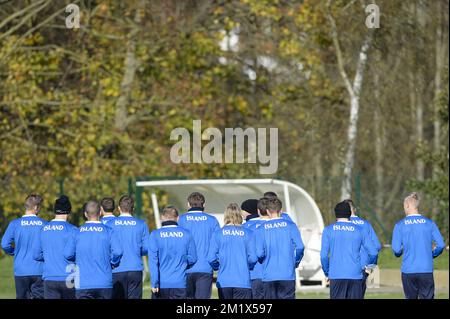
x=289, y=48
x=229, y=24
x=90, y=137
x=219, y=10
x=110, y=87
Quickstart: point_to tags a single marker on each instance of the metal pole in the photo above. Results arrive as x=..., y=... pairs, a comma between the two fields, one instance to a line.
x=138, y=201
x=156, y=210
x=287, y=201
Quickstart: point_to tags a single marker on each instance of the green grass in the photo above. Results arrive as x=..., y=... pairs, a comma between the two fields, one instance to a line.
x=369, y=295
x=7, y=289
x=387, y=260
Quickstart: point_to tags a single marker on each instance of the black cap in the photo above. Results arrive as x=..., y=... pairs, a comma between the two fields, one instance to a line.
x=62, y=205
x=343, y=210
x=250, y=206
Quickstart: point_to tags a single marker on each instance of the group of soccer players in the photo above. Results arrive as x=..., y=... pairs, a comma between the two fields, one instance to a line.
x=255, y=253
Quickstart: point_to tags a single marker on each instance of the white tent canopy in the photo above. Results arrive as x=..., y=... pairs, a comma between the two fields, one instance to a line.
x=220, y=192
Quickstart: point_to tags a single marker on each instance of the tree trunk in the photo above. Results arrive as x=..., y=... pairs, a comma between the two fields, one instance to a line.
x=354, y=91
x=420, y=166
x=130, y=66
x=378, y=129
x=346, y=187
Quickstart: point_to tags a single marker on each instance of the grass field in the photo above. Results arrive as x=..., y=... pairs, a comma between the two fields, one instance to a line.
x=386, y=260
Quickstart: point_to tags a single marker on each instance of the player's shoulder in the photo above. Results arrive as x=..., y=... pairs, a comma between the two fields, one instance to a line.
x=71, y=227
x=186, y=231
x=248, y=231
x=328, y=228
x=108, y=227
x=428, y=220
x=210, y=216
x=139, y=222
x=14, y=222
x=290, y=222
x=359, y=220
x=182, y=216
x=42, y=220
x=155, y=232
x=400, y=223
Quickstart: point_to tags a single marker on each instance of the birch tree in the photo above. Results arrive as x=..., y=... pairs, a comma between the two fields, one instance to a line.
x=354, y=92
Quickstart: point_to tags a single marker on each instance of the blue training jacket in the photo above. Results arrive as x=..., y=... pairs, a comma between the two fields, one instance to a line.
x=202, y=227
x=171, y=251
x=340, y=254
x=287, y=217
x=107, y=219
x=232, y=252
x=254, y=224
x=24, y=232
x=413, y=238
x=95, y=250
x=280, y=248
x=50, y=249
x=133, y=236
x=372, y=236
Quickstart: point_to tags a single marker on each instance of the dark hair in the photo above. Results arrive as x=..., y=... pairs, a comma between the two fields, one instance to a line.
x=262, y=206
x=126, y=204
x=270, y=195
x=350, y=202
x=92, y=208
x=108, y=204
x=274, y=205
x=170, y=212
x=196, y=199
x=32, y=201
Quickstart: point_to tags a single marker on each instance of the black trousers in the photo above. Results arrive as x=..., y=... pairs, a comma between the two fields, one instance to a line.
x=418, y=286
x=29, y=287
x=170, y=293
x=100, y=293
x=199, y=285
x=364, y=283
x=280, y=289
x=57, y=290
x=257, y=289
x=345, y=289
x=235, y=293
x=127, y=285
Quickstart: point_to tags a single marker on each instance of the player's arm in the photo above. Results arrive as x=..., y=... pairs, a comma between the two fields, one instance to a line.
x=153, y=260
x=70, y=247
x=438, y=240
x=116, y=248
x=324, y=253
x=252, y=259
x=370, y=247
x=191, y=252
x=287, y=217
x=213, y=252
x=144, y=240
x=373, y=237
x=296, y=238
x=38, y=254
x=260, y=244
x=8, y=239
x=397, y=245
